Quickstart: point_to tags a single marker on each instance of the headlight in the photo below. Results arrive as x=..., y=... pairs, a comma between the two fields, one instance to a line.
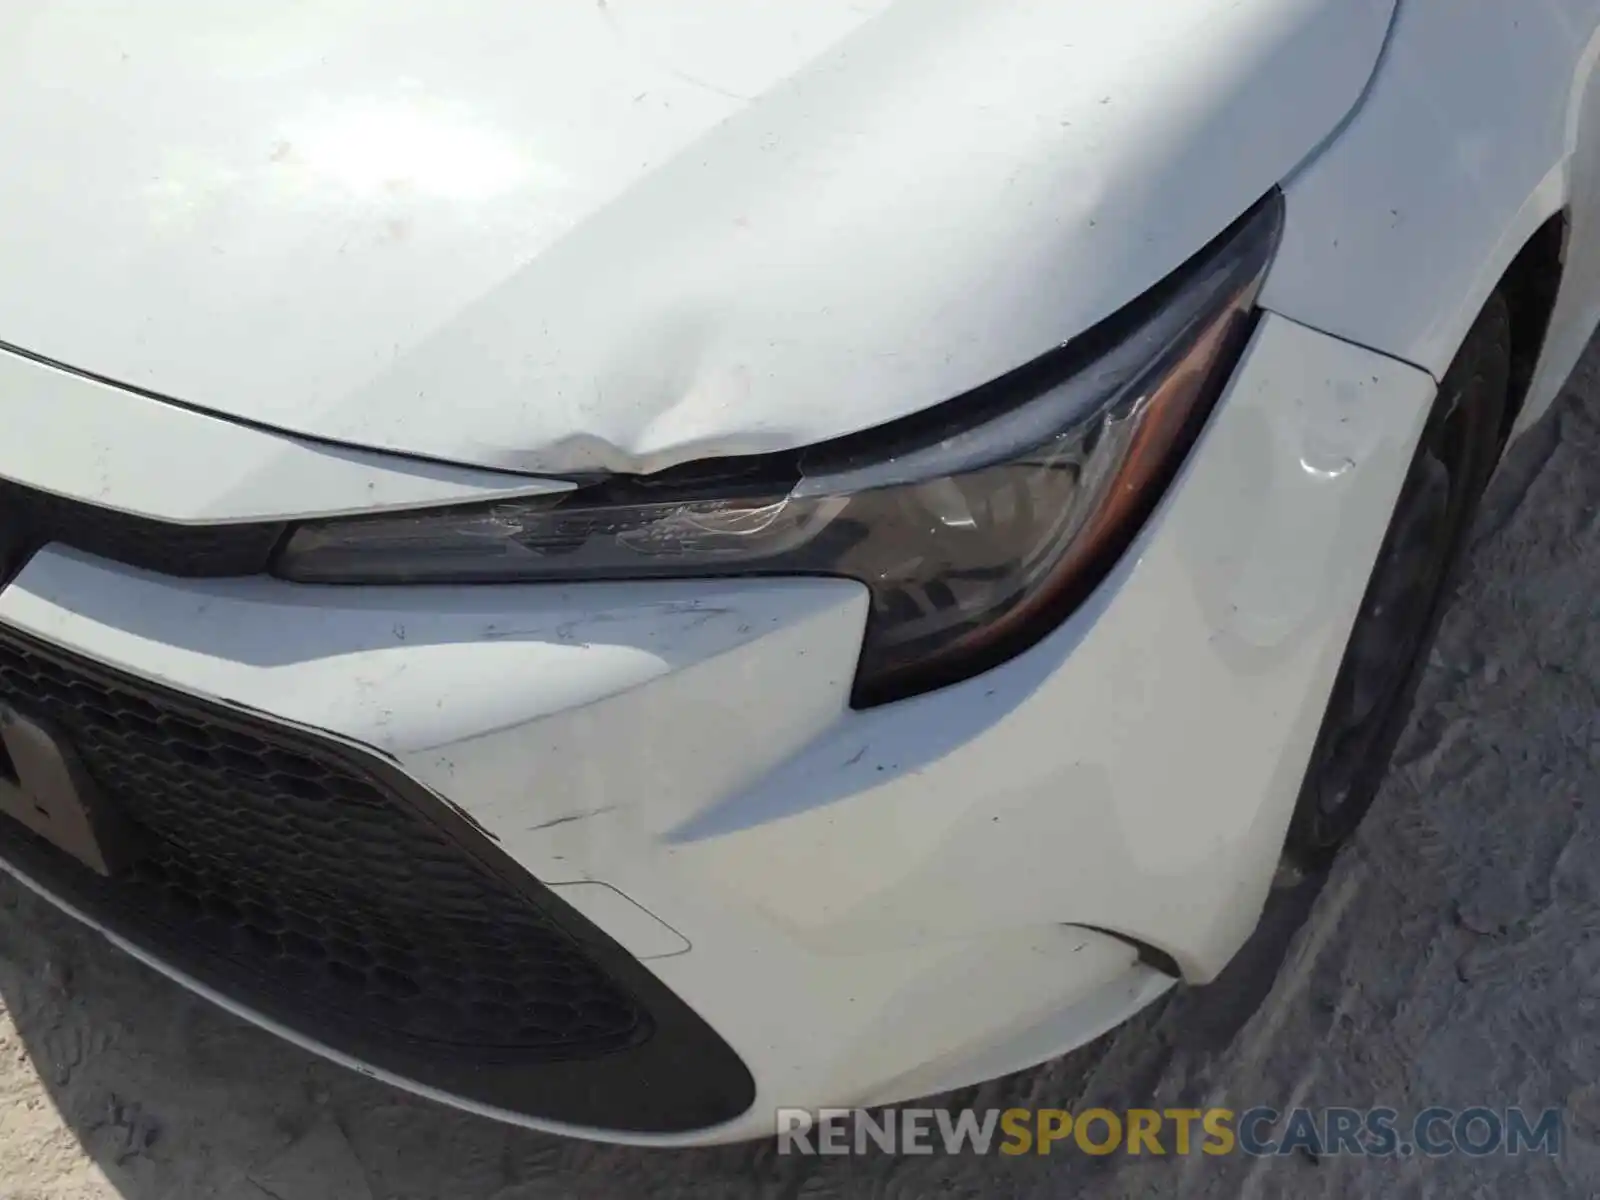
x=975, y=525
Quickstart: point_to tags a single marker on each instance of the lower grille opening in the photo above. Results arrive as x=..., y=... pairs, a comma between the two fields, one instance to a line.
x=316, y=886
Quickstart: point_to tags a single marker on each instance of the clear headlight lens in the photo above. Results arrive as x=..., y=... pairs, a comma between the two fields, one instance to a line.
x=975, y=525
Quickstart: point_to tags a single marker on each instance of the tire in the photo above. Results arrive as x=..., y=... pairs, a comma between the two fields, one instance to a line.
x=1407, y=595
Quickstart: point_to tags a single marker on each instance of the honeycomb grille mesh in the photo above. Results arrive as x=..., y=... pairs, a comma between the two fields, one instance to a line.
x=289, y=870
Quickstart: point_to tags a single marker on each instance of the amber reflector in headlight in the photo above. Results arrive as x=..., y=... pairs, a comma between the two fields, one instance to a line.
x=975, y=525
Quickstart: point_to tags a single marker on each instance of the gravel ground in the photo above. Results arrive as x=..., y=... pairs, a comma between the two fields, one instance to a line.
x=1451, y=957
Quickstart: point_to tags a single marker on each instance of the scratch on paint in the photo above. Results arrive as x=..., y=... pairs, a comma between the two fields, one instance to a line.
x=583, y=816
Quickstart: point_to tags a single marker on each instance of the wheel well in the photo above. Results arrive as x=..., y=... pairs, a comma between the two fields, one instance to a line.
x=1529, y=286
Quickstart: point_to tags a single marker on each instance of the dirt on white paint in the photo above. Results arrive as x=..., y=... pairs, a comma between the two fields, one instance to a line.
x=1452, y=957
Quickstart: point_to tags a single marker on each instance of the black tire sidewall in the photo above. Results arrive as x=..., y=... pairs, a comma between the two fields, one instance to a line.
x=1479, y=377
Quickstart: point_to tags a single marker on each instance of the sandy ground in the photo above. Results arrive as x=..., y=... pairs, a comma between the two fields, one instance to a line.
x=1451, y=957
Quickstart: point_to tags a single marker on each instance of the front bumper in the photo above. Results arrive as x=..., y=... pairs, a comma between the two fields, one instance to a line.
x=862, y=906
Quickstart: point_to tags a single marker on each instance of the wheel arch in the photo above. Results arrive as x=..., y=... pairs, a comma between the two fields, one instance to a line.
x=1530, y=286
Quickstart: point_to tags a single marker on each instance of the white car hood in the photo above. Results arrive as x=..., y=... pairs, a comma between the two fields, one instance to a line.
x=560, y=235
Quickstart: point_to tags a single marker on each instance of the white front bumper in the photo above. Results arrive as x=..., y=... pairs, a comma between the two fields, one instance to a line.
x=865, y=905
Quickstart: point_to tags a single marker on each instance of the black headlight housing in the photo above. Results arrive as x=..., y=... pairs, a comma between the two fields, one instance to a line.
x=975, y=525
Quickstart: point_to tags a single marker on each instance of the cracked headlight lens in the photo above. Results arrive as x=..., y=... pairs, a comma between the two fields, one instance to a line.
x=975, y=525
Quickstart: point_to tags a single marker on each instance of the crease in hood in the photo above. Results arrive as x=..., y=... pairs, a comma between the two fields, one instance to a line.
x=617, y=235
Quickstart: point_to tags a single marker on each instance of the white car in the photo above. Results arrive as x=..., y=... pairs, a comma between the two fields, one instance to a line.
x=625, y=564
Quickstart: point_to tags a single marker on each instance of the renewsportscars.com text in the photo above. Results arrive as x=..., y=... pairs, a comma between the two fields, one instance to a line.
x=1260, y=1131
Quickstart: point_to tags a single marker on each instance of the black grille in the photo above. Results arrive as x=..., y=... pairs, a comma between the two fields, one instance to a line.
x=32, y=518
x=287, y=870
x=316, y=886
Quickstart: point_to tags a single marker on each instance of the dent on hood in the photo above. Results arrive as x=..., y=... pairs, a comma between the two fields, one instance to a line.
x=665, y=398
x=537, y=241
x=953, y=190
